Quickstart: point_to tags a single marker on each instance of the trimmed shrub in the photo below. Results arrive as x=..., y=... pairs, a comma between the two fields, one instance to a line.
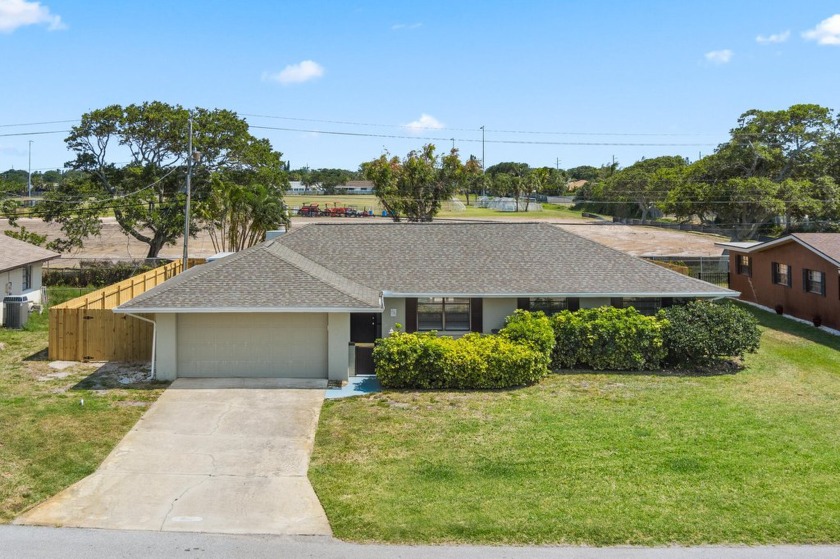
x=701, y=333
x=607, y=338
x=473, y=361
x=532, y=328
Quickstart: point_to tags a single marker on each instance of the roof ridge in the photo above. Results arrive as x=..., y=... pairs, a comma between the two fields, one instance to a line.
x=357, y=291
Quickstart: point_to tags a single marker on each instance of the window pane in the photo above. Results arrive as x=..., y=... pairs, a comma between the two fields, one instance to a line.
x=549, y=305
x=430, y=313
x=457, y=316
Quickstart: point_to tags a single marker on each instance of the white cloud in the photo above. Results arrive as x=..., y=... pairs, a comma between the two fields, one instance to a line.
x=719, y=56
x=398, y=26
x=425, y=122
x=827, y=32
x=20, y=13
x=296, y=73
x=772, y=39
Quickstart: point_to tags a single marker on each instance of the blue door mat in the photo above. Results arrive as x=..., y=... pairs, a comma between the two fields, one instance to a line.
x=356, y=386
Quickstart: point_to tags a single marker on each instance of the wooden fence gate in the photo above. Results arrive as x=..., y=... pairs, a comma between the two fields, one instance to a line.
x=86, y=329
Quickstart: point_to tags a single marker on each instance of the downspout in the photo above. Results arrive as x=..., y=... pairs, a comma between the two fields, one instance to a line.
x=154, y=338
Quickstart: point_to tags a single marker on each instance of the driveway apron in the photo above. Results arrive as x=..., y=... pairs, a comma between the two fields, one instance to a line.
x=211, y=455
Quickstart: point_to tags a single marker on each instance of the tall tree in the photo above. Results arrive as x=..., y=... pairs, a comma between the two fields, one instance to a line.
x=146, y=195
x=415, y=186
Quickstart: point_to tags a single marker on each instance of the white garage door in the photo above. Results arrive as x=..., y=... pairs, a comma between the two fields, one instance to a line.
x=292, y=345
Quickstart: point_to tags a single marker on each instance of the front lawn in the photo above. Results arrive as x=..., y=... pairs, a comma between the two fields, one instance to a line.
x=48, y=438
x=602, y=459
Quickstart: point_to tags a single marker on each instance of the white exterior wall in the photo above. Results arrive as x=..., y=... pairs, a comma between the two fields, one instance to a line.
x=395, y=305
x=166, y=351
x=338, y=346
x=494, y=312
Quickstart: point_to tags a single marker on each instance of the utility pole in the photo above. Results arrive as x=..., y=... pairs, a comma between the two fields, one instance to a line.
x=29, y=173
x=483, y=185
x=558, y=163
x=189, y=197
x=453, y=142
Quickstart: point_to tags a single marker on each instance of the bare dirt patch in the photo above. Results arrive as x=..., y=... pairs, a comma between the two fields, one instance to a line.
x=635, y=240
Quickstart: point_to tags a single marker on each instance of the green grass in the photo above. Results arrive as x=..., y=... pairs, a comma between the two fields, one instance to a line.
x=362, y=201
x=48, y=440
x=601, y=459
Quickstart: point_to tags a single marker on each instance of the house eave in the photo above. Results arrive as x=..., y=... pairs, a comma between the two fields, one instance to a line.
x=760, y=247
x=705, y=295
x=208, y=310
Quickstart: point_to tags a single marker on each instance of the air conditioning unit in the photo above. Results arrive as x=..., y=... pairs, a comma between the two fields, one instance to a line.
x=15, y=311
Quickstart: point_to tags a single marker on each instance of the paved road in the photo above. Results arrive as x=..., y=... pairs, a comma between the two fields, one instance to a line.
x=27, y=542
x=217, y=455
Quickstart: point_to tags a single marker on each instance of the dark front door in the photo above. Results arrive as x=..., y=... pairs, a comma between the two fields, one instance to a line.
x=364, y=329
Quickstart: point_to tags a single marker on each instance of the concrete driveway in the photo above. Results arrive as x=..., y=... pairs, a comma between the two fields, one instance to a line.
x=211, y=455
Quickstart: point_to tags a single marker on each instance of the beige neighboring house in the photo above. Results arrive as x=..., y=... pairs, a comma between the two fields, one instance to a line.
x=355, y=187
x=311, y=302
x=20, y=270
x=573, y=186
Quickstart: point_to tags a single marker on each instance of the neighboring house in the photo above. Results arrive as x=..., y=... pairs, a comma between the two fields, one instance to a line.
x=572, y=186
x=292, y=306
x=20, y=270
x=798, y=272
x=355, y=187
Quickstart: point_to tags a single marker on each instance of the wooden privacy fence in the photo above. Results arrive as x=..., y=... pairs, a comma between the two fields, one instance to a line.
x=86, y=329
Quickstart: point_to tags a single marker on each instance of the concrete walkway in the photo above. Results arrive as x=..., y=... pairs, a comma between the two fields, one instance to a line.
x=216, y=455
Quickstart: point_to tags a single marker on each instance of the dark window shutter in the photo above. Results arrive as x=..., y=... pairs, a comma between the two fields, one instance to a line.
x=573, y=303
x=774, y=272
x=804, y=280
x=477, y=315
x=822, y=283
x=790, y=276
x=523, y=303
x=411, y=315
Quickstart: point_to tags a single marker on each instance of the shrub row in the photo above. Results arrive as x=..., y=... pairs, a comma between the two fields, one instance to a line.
x=518, y=356
x=96, y=273
x=699, y=333
x=605, y=338
x=608, y=338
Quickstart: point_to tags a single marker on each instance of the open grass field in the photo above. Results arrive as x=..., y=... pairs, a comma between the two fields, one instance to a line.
x=369, y=201
x=48, y=438
x=602, y=459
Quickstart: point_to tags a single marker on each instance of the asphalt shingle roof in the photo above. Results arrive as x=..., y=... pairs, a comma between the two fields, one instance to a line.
x=482, y=258
x=255, y=279
x=825, y=243
x=348, y=265
x=15, y=253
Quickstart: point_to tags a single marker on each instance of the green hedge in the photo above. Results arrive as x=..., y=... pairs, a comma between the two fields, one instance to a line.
x=701, y=333
x=532, y=328
x=473, y=361
x=607, y=338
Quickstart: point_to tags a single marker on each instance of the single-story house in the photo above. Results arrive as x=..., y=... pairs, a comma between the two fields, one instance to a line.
x=292, y=306
x=799, y=272
x=20, y=270
x=355, y=187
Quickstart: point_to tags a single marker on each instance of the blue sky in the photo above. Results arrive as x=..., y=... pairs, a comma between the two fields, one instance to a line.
x=586, y=80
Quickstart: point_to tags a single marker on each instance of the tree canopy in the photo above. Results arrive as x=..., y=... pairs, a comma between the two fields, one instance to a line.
x=146, y=194
x=415, y=186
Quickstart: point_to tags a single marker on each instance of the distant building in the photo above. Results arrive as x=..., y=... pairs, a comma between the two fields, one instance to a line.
x=355, y=187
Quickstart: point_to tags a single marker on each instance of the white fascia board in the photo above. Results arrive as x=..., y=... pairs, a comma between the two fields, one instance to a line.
x=208, y=310
x=760, y=247
x=704, y=295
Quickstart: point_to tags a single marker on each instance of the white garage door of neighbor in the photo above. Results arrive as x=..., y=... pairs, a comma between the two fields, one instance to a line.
x=292, y=345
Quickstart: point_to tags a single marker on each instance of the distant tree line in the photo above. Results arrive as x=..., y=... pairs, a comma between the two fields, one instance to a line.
x=778, y=172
